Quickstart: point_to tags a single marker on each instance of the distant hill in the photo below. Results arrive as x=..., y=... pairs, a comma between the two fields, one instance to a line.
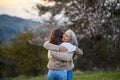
x=11, y=26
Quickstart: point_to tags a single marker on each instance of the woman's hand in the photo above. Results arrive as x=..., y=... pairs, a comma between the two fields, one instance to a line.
x=63, y=49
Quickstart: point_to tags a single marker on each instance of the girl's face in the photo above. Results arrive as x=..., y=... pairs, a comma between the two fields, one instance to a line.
x=66, y=37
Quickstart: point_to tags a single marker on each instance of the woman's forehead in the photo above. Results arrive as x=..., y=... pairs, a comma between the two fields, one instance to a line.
x=68, y=33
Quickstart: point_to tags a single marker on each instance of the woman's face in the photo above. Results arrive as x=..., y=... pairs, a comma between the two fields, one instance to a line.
x=66, y=37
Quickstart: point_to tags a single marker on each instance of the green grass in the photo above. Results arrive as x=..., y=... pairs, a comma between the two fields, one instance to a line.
x=108, y=75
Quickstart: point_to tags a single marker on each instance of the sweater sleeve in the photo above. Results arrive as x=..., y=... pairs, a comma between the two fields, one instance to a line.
x=50, y=46
x=69, y=46
x=66, y=56
x=79, y=51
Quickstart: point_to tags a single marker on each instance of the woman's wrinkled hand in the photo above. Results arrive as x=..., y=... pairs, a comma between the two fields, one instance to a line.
x=63, y=49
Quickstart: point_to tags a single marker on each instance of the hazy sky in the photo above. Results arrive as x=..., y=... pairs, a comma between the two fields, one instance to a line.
x=18, y=8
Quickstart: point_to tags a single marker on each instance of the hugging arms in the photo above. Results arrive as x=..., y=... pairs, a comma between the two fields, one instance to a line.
x=57, y=52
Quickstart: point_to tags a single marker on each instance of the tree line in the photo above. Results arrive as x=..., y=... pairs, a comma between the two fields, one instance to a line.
x=96, y=24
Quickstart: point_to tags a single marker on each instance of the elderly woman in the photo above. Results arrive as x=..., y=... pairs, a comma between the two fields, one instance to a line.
x=61, y=48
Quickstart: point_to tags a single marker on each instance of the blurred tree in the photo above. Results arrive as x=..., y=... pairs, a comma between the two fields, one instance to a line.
x=22, y=58
x=96, y=23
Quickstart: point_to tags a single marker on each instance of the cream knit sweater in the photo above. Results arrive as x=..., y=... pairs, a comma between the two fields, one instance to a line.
x=61, y=60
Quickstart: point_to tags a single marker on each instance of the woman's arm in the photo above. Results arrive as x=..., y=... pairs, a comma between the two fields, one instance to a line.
x=56, y=51
x=65, y=56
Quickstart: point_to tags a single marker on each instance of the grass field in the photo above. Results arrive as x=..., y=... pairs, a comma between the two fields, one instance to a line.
x=108, y=75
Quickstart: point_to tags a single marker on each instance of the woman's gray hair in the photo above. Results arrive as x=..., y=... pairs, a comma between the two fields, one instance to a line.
x=73, y=37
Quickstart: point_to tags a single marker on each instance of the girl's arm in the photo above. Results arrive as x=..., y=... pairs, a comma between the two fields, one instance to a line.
x=79, y=51
x=50, y=46
x=54, y=47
